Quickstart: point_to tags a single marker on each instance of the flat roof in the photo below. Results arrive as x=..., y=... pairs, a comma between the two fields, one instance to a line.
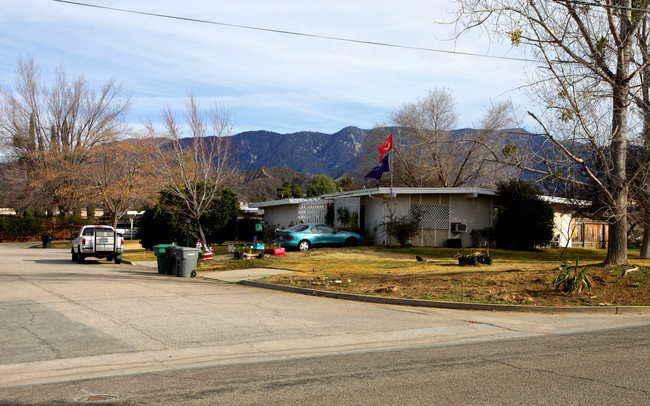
x=283, y=202
x=413, y=191
x=381, y=191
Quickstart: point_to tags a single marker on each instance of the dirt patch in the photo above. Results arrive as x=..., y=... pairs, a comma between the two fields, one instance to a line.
x=609, y=287
x=515, y=277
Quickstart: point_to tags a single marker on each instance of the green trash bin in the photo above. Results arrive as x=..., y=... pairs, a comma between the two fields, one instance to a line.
x=161, y=257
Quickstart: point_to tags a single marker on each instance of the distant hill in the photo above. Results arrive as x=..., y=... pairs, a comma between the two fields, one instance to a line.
x=266, y=159
x=257, y=184
x=310, y=153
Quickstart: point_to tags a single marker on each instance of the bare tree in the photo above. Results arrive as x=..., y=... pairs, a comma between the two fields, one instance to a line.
x=641, y=178
x=49, y=130
x=422, y=148
x=197, y=167
x=427, y=152
x=585, y=72
x=118, y=174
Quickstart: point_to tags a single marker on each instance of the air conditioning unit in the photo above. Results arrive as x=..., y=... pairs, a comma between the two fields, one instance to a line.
x=458, y=228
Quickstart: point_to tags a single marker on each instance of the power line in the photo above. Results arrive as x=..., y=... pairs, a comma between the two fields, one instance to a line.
x=603, y=5
x=295, y=33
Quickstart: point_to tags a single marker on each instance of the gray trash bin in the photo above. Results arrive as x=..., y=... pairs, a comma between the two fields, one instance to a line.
x=186, y=261
x=47, y=240
x=170, y=259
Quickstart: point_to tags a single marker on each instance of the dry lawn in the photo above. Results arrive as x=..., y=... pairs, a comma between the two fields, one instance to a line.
x=514, y=277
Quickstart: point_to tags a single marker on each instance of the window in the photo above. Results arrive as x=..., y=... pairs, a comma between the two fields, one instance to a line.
x=433, y=216
x=322, y=229
x=298, y=228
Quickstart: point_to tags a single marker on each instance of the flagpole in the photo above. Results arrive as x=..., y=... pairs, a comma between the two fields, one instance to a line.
x=392, y=168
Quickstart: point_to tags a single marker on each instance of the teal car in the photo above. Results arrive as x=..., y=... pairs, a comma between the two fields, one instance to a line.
x=306, y=236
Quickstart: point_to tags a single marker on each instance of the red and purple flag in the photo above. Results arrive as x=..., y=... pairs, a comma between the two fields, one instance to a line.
x=378, y=170
x=385, y=147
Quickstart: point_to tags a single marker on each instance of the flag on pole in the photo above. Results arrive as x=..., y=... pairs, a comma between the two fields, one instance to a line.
x=378, y=170
x=385, y=147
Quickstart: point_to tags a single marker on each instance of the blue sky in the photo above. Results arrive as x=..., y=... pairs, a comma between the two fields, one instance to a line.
x=269, y=81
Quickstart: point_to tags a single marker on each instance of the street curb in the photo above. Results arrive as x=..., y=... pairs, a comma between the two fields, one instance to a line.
x=451, y=305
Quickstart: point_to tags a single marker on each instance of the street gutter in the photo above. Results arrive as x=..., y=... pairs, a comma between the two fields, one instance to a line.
x=451, y=305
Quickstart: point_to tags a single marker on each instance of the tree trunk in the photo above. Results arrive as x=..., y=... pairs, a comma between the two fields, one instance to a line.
x=201, y=233
x=617, y=249
x=645, y=244
x=645, y=107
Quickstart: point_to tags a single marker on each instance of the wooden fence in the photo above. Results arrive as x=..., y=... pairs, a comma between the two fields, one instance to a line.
x=58, y=232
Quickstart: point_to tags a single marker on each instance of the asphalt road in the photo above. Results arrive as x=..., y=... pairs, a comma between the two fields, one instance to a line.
x=606, y=368
x=72, y=331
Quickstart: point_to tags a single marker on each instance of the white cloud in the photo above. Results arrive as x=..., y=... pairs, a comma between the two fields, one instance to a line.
x=270, y=81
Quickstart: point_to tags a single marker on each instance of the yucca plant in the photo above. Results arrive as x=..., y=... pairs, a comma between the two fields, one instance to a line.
x=571, y=278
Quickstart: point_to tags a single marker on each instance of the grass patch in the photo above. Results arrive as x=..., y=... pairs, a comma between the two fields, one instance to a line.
x=515, y=277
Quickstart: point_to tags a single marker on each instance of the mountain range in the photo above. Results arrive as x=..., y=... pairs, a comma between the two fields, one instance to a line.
x=310, y=153
x=266, y=159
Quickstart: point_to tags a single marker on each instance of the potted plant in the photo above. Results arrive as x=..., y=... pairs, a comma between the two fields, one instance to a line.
x=485, y=258
x=275, y=249
x=247, y=252
x=465, y=259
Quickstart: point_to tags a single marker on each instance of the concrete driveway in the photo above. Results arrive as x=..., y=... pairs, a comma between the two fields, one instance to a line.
x=60, y=320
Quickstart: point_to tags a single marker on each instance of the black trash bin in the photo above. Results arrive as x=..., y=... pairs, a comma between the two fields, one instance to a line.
x=170, y=259
x=47, y=240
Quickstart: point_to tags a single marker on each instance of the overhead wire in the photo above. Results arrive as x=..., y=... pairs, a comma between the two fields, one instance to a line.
x=295, y=33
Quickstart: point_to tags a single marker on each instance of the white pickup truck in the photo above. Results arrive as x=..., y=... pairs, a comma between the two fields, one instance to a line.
x=98, y=242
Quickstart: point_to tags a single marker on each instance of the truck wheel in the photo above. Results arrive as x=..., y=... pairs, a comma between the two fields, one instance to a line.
x=74, y=256
x=118, y=260
x=80, y=258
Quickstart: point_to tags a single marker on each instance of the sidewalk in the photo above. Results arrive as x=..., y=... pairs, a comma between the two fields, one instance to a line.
x=242, y=275
x=236, y=276
x=249, y=277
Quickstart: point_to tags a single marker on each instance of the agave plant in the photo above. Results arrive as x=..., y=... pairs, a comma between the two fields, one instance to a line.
x=571, y=278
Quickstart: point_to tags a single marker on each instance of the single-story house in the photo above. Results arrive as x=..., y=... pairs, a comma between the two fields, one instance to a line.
x=446, y=213
x=574, y=230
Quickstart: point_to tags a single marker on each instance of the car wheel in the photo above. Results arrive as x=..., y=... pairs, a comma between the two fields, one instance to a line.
x=350, y=242
x=304, y=245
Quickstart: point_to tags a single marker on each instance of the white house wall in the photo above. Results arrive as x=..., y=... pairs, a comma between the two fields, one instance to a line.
x=374, y=216
x=562, y=228
x=475, y=212
x=398, y=206
x=281, y=216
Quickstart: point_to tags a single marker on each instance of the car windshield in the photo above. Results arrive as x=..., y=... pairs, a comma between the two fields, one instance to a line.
x=298, y=228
